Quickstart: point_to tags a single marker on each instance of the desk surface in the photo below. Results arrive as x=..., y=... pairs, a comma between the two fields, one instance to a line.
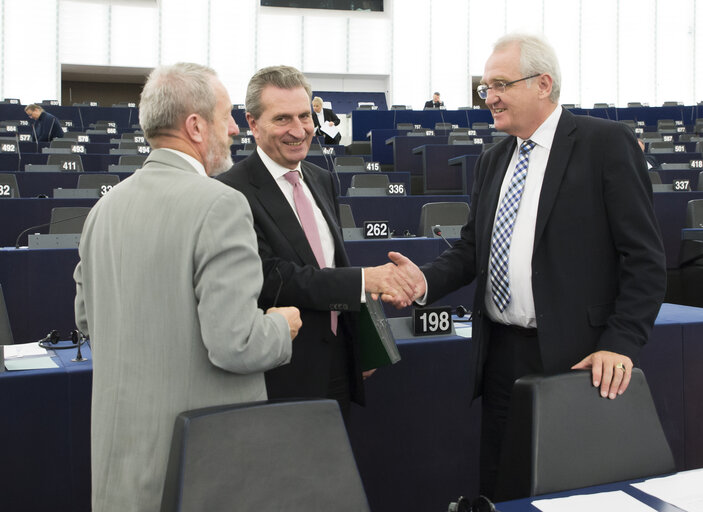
x=416, y=441
x=525, y=504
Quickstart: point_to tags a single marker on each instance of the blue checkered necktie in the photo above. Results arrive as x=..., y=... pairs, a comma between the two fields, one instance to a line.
x=503, y=229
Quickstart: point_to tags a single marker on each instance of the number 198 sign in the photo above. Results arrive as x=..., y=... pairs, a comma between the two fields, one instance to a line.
x=432, y=321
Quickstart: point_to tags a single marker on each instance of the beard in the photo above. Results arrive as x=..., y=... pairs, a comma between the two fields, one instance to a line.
x=219, y=157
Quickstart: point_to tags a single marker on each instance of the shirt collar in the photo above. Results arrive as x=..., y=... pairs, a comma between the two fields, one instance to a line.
x=276, y=170
x=192, y=161
x=544, y=135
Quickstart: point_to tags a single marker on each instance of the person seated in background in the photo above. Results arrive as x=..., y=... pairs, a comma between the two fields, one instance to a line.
x=46, y=126
x=324, y=116
x=435, y=102
x=652, y=164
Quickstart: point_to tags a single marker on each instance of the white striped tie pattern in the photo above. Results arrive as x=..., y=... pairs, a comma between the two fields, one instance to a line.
x=503, y=229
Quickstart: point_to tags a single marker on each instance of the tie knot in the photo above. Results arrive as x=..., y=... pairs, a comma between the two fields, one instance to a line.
x=526, y=146
x=292, y=177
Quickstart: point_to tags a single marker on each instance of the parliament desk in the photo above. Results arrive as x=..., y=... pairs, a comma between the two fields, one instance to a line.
x=363, y=121
x=20, y=214
x=415, y=441
x=403, y=157
x=45, y=431
x=402, y=212
x=525, y=504
x=342, y=179
x=33, y=184
x=39, y=289
x=670, y=209
x=439, y=176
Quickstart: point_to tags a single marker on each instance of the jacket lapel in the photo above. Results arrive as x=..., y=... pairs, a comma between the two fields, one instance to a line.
x=272, y=200
x=559, y=155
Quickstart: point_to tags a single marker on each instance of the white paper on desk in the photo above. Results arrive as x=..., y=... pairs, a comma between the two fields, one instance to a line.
x=332, y=131
x=23, y=350
x=30, y=363
x=615, y=500
x=684, y=490
x=462, y=329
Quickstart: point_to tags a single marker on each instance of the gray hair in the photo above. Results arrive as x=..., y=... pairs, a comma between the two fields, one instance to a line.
x=536, y=57
x=283, y=77
x=33, y=107
x=317, y=100
x=174, y=92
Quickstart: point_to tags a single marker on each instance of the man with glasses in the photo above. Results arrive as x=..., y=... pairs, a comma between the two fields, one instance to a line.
x=562, y=239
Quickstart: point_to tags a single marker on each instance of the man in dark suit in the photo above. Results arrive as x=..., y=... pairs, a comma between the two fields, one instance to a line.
x=300, y=243
x=329, y=118
x=561, y=238
x=435, y=102
x=46, y=126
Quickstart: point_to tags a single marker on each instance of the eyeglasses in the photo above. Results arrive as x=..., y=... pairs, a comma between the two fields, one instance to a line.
x=499, y=87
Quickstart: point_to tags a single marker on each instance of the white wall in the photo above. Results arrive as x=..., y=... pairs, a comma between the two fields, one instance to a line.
x=610, y=50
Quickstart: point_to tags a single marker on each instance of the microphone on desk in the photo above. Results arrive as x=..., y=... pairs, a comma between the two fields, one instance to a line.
x=437, y=230
x=78, y=339
x=47, y=224
x=19, y=153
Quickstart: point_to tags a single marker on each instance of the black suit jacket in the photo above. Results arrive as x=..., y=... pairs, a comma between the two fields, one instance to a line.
x=289, y=265
x=598, y=266
x=432, y=104
x=47, y=127
x=328, y=116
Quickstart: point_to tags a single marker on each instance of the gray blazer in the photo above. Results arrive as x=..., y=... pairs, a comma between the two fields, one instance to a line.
x=167, y=286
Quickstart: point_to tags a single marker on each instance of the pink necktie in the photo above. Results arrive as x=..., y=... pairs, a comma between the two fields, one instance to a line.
x=307, y=220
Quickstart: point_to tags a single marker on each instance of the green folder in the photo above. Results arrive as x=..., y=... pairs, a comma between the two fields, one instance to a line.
x=376, y=340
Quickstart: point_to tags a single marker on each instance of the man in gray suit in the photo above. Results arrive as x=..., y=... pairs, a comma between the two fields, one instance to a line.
x=167, y=286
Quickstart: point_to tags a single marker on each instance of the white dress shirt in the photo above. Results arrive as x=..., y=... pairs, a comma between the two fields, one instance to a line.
x=192, y=161
x=521, y=308
x=278, y=173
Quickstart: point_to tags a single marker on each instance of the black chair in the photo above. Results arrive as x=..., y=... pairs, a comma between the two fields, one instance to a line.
x=442, y=214
x=661, y=147
x=358, y=148
x=675, y=167
x=346, y=216
x=6, y=337
x=132, y=160
x=70, y=162
x=666, y=125
x=68, y=219
x=655, y=178
x=349, y=163
x=629, y=122
x=561, y=434
x=287, y=455
x=97, y=181
x=8, y=186
x=371, y=180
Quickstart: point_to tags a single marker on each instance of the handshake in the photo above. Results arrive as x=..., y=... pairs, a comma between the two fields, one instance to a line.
x=399, y=282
